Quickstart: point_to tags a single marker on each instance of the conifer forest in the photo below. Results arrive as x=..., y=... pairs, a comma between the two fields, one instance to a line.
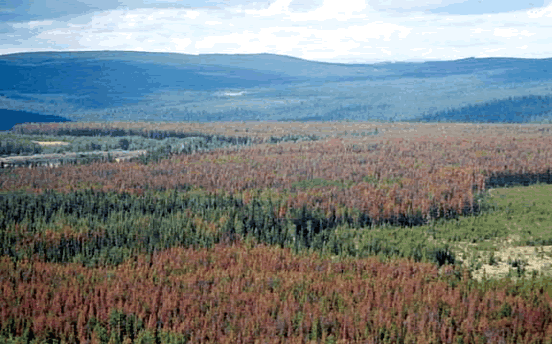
x=281, y=232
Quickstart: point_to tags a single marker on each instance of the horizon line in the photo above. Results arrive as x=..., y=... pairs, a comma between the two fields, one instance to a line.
x=414, y=60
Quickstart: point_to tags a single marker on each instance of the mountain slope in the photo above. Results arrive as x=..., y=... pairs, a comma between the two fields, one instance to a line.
x=512, y=110
x=115, y=85
x=9, y=118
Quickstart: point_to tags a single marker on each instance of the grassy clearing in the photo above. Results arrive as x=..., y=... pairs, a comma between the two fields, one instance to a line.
x=511, y=237
x=520, y=215
x=526, y=212
x=516, y=233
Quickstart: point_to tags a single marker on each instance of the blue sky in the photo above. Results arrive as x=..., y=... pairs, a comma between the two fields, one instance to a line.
x=323, y=30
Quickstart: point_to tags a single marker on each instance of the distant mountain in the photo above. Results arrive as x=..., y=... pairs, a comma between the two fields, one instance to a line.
x=9, y=118
x=117, y=85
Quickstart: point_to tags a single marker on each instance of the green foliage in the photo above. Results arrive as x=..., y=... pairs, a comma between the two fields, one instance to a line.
x=525, y=212
x=146, y=337
x=125, y=326
x=101, y=333
x=519, y=264
x=15, y=145
x=523, y=109
x=505, y=311
x=376, y=180
x=109, y=228
x=21, y=144
x=318, y=182
x=441, y=256
x=124, y=144
x=158, y=145
x=492, y=259
x=120, y=327
x=292, y=138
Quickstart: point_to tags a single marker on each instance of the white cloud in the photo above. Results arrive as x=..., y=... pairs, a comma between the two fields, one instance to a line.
x=479, y=30
x=541, y=12
x=511, y=32
x=192, y=14
x=33, y=24
x=494, y=50
x=385, y=51
x=409, y=5
x=276, y=8
x=332, y=10
x=181, y=43
x=330, y=30
x=427, y=53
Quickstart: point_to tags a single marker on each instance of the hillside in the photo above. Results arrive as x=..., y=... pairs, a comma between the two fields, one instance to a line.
x=523, y=109
x=9, y=118
x=110, y=85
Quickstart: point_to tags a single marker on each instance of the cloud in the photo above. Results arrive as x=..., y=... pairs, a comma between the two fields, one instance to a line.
x=511, y=32
x=541, y=12
x=304, y=6
x=409, y=5
x=326, y=30
x=478, y=7
x=27, y=10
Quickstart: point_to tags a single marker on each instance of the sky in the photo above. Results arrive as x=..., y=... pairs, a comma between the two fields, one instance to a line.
x=344, y=31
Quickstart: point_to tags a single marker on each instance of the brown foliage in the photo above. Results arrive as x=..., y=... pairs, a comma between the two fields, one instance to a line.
x=382, y=177
x=243, y=294
x=261, y=131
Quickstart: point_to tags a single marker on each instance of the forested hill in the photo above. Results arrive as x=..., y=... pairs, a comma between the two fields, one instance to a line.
x=138, y=86
x=525, y=109
x=9, y=118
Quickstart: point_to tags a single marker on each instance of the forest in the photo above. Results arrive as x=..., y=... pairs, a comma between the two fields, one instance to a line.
x=520, y=109
x=147, y=86
x=279, y=232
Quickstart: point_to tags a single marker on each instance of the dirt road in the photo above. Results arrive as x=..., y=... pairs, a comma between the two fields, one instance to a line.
x=56, y=158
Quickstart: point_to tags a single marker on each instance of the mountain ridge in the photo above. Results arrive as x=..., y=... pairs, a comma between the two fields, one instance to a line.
x=129, y=85
x=263, y=54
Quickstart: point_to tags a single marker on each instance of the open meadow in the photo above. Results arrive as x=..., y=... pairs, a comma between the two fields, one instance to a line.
x=277, y=232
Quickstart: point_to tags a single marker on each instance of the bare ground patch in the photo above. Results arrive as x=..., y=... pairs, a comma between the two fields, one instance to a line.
x=505, y=260
x=51, y=143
